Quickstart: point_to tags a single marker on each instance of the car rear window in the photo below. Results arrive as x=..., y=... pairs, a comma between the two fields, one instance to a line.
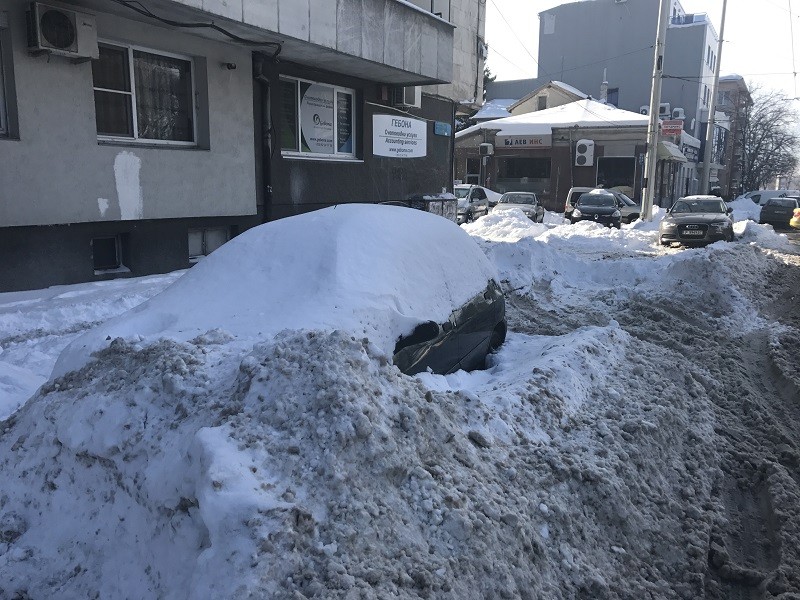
x=782, y=202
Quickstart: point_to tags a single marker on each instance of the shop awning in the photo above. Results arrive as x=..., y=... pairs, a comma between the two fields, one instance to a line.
x=669, y=151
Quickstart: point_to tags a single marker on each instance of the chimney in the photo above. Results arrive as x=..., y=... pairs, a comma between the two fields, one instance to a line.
x=604, y=88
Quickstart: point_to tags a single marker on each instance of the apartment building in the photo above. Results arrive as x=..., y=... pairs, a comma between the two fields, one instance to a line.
x=137, y=137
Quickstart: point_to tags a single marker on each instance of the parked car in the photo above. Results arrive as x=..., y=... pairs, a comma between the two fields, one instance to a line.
x=600, y=206
x=778, y=211
x=629, y=210
x=572, y=197
x=696, y=220
x=474, y=201
x=379, y=272
x=525, y=201
x=761, y=196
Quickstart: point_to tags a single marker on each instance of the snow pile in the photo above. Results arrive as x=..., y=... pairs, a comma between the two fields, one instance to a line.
x=375, y=271
x=633, y=438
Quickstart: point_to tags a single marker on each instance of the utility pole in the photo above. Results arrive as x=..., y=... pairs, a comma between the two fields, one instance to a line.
x=651, y=158
x=712, y=107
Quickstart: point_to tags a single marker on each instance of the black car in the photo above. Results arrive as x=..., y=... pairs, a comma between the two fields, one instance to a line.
x=778, y=211
x=462, y=342
x=697, y=220
x=599, y=206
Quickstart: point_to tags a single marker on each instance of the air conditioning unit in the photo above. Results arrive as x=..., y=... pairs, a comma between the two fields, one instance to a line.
x=644, y=110
x=486, y=149
x=663, y=110
x=678, y=113
x=407, y=96
x=61, y=31
x=584, y=153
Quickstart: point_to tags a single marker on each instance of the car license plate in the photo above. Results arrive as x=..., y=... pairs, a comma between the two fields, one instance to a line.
x=692, y=232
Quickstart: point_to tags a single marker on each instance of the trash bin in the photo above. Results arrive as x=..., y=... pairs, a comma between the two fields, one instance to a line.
x=443, y=204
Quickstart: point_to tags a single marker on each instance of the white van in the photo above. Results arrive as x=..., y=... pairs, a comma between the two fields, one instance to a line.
x=761, y=196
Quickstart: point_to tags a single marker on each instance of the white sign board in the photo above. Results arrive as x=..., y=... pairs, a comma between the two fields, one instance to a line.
x=525, y=141
x=399, y=137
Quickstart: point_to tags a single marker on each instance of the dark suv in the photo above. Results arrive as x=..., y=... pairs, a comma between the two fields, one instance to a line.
x=629, y=210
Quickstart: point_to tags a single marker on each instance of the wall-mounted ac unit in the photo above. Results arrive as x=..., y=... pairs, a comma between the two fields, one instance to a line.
x=407, y=96
x=663, y=110
x=584, y=153
x=678, y=113
x=644, y=110
x=486, y=149
x=61, y=31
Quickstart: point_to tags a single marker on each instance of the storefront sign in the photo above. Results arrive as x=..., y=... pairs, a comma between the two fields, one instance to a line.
x=399, y=137
x=524, y=141
x=671, y=127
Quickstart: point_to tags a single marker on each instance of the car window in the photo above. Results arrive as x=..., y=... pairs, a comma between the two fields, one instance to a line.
x=698, y=206
x=755, y=197
x=461, y=192
x=782, y=202
x=596, y=200
x=480, y=194
x=625, y=199
x=518, y=199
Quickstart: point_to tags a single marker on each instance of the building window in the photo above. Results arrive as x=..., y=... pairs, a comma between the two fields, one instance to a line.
x=143, y=95
x=317, y=119
x=107, y=253
x=541, y=102
x=612, y=96
x=473, y=171
x=523, y=174
x=203, y=242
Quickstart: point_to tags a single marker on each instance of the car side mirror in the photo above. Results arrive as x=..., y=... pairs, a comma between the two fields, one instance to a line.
x=424, y=332
x=729, y=210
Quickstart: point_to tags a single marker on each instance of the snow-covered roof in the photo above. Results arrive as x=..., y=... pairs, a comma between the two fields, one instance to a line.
x=494, y=109
x=583, y=113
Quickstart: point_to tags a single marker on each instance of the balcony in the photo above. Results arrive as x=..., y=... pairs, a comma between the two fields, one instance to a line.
x=689, y=19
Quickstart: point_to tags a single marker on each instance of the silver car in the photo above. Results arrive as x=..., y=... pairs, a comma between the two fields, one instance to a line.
x=525, y=201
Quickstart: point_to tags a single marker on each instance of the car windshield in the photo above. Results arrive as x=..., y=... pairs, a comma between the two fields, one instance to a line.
x=596, y=200
x=625, y=199
x=698, y=206
x=518, y=199
x=461, y=192
x=782, y=202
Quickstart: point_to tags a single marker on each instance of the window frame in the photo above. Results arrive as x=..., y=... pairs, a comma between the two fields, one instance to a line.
x=336, y=155
x=4, y=127
x=136, y=140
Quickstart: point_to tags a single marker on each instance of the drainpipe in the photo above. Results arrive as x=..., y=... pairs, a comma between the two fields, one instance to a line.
x=604, y=88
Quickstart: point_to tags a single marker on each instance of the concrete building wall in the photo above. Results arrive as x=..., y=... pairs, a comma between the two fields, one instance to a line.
x=469, y=18
x=57, y=171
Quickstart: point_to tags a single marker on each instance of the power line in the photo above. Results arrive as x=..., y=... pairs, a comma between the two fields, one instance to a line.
x=524, y=47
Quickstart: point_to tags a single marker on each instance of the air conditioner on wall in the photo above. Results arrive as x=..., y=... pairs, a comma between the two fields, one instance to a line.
x=584, y=153
x=678, y=113
x=407, y=96
x=663, y=110
x=644, y=110
x=56, y=30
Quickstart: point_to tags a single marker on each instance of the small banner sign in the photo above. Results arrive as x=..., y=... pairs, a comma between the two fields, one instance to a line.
x=671, y=127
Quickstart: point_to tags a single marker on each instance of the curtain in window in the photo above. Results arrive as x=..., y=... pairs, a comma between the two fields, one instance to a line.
x=163, y=97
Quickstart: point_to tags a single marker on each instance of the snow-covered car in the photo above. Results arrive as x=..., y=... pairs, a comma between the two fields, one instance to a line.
x=473, y=201
x=778, y=211
x=599, y=206
x=696, y=220
x=415, y=285
x=527, y=202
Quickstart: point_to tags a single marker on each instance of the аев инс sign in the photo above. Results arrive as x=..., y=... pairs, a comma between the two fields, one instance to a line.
x=524, y=141
x=399, y=137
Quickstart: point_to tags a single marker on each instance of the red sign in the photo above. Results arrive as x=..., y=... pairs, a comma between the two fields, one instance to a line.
x=671, y=127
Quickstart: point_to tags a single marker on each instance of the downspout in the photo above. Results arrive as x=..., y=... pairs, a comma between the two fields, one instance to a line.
x=265, y=137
